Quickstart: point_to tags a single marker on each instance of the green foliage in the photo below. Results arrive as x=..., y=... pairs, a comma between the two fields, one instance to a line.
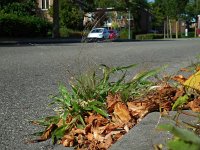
x=149, y=36
x=173, y=9
x=190, y=35
x=65, y=32
x=26, y=8
x=183, y=138
x=180, y=102
x=71, y=16
x=12, y=25
x=124, y=34
x=120, y=4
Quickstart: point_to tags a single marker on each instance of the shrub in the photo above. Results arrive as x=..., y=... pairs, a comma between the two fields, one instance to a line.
x=124, y=34
x=65, y=32
x=26, y=8
x=12, y=25
x=149, y=36
x=190, y=35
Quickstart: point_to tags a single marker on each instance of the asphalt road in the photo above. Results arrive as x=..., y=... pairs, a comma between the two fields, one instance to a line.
x=30, y=73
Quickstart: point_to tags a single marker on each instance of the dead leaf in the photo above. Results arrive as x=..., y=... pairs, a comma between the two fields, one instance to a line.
x=165, y=106
x=195, y=105
x=111, y=101
x=46, y=135
x=184, y=69
x=180, y=92
x=97, y=136
x=90, y=136
x=111, y=134
x=139, y=109
x=121, y=111
x=126, y=128
x=79, y=131
x=111, y=127
x=91, y=118
x=197, y=68
x=106, y=144
x=179, y=78
x=117, y=136
x=60, y=123
x=80, y=139
x=69, y=119
x=68, y=140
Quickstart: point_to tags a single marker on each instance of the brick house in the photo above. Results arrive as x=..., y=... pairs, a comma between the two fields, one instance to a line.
x=43, y=6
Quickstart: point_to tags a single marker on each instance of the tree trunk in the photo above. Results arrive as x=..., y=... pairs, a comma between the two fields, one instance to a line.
x=167, y=27
x=195, y=30
x=56, y=25
x=170, y=29
x=177, y=28
x=164, y=29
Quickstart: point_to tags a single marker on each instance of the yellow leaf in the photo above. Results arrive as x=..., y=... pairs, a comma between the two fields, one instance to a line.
x=194, y=81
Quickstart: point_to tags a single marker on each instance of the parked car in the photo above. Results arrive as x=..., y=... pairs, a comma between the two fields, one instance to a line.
x=98, y=33
x=113, y=34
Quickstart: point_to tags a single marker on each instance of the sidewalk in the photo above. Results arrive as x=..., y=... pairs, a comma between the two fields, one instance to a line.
x=30, y=41
x=17, y=41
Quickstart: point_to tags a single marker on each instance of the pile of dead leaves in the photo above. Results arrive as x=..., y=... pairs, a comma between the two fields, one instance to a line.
x=100, y=132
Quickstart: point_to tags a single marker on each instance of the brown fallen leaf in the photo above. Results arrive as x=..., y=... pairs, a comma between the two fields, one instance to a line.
x=111, y=127
x=90, y=136
x=97, y=134
x=121, y=111
x=184, y=69
x=197, y=68
x=126, y=128
x=165, y=106
x=60, y=123
x=100, y=119
x=180, y=92
x=117, y=136
x=80, y=139
x=46, y=135
x=68, y=140
x=106, y=144
x=78, y=131
x=111, y=134
x=195, y=105
x=111, y=101
x=179, y=78
x=139, y=109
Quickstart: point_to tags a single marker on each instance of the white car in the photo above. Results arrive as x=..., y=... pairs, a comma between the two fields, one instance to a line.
x=98, y=33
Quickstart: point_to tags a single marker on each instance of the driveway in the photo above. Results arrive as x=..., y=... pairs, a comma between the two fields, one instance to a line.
x=30, y=73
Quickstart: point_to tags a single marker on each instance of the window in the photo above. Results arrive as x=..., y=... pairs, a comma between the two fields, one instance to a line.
x=45, y=4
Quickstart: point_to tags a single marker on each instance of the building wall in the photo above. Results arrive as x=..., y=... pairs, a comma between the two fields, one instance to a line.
x=44, y=12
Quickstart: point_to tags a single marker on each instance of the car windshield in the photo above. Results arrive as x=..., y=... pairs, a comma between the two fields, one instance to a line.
x=97, y=31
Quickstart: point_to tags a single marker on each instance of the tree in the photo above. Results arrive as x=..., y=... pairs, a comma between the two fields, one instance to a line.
x=71, y=15
x=192, y=10
x=169, y=10
x=20, y=8
x=56, y=24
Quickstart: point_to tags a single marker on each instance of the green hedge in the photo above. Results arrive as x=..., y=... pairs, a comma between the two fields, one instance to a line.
x=149, y=36
x=12, y=25
x=190, y=35
x=65, y=32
